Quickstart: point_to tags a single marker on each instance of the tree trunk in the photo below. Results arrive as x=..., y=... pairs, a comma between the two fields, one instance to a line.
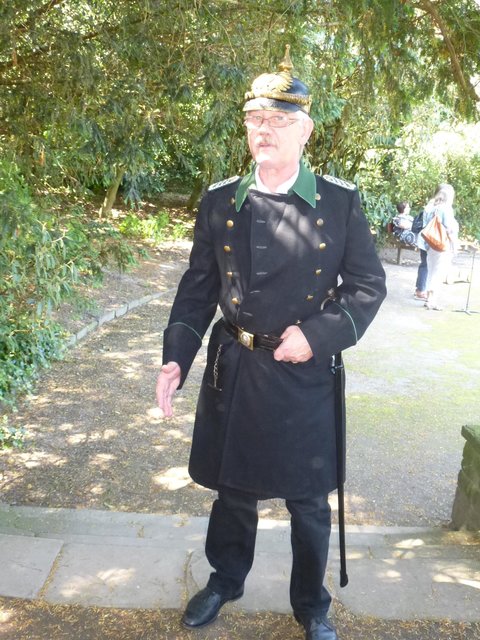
x=196, y=193
x=111, y=194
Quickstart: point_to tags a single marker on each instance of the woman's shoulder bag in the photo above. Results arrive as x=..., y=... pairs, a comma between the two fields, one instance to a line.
x=435, y=234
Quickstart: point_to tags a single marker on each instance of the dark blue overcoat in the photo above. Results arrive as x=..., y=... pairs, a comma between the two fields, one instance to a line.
x=263, y=426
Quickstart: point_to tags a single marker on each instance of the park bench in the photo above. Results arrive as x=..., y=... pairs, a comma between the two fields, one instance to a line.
x=397, y=243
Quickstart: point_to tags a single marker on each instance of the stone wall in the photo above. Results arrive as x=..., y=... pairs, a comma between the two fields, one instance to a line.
x=466, y=506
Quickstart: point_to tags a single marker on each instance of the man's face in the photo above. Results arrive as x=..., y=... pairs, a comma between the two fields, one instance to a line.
x=278, y=147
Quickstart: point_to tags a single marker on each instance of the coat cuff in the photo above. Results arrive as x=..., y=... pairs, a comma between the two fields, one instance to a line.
x=329, y=332
x=181, y=344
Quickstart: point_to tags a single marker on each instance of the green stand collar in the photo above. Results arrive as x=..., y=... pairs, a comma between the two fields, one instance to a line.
x=305, y=186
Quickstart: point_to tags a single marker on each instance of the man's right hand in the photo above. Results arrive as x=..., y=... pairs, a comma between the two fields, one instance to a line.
x=167, y=383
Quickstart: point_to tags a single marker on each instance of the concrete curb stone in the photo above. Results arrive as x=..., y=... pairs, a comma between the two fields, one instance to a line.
x=138, y=560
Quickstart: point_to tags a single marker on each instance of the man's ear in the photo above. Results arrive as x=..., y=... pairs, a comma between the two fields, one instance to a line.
x=307, y=130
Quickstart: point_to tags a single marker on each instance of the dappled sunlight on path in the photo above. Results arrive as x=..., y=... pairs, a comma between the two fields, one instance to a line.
x=96, y=439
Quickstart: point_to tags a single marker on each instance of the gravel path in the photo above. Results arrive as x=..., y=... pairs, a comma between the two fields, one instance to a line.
x=96, y=439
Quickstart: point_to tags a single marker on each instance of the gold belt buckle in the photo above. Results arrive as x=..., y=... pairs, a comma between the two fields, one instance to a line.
x=245, y=338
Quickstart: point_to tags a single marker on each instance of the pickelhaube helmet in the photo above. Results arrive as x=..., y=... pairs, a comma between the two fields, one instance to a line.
x=279, y=91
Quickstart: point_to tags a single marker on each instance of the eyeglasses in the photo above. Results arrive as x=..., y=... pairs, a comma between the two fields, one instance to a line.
x=277, y=122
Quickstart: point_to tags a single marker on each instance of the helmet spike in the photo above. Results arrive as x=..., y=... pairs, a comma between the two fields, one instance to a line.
x=286, y=64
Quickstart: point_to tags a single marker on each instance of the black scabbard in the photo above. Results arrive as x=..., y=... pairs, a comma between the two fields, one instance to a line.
x=339, y=373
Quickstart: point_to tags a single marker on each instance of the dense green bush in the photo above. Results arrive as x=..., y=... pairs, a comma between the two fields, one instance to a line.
x=27, y=345
x=42, y=256
x=378, y=209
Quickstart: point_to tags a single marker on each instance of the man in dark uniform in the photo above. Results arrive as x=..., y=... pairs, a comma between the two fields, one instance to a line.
x=289, y=258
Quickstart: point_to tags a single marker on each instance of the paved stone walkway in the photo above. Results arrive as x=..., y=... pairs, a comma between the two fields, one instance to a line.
x=131, y=560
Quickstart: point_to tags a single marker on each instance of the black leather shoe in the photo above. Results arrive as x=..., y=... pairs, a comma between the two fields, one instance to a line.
x=318, y=629
x=204, y=607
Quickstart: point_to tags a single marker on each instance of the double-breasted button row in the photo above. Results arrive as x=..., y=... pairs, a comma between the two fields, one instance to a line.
x=319, y=222
x=228, y=249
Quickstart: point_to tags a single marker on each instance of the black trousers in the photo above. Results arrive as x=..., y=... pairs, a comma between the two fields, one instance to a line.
x=230, y=548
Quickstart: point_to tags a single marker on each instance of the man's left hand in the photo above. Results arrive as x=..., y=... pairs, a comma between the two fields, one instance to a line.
x=294, y=347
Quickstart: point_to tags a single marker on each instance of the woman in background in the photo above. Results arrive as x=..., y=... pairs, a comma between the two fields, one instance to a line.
x=438, y=262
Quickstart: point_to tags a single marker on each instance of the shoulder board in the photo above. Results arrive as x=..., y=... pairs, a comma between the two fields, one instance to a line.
x=339, y=182
x=222, y=183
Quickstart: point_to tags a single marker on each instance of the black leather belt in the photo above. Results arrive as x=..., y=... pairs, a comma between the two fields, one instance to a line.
x=252, y=340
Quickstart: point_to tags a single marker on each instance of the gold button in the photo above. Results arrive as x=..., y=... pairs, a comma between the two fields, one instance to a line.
x=309, y=297
x=322, y=246
x=230, y=224
x=230, y=274
x=320, y=222
x=318, y=272
x=235, y=301
x=298, y=322
x=232, y=200
x=227, y=249
x=318, y=196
